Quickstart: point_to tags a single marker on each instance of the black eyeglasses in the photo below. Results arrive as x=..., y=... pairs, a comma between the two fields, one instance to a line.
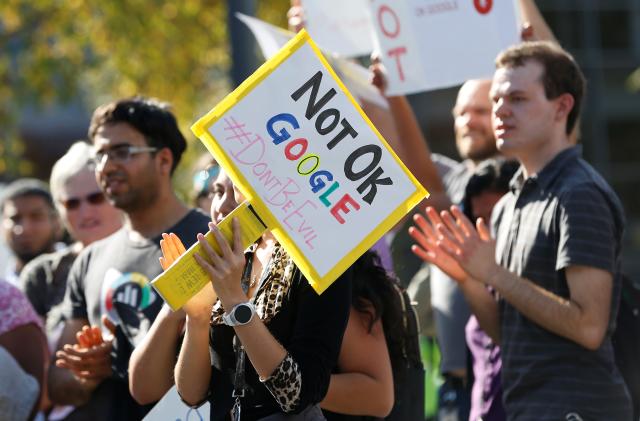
x=73, y=203
x=120, y=154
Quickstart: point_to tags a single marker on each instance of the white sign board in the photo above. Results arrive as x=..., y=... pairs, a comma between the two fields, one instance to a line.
x=271, y=39
x=309, y=161
x=341, y=27
x=432, y=44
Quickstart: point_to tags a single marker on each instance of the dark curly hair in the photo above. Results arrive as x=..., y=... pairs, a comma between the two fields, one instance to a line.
x=374, y=294
x=492, y=175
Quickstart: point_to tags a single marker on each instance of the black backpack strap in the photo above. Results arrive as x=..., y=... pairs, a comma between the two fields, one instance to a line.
x=411, y=341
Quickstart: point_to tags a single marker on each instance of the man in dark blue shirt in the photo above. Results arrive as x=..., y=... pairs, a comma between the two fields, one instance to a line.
x=558, y=238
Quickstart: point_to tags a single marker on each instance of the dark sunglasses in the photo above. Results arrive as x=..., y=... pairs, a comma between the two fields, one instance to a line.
x=96, y=198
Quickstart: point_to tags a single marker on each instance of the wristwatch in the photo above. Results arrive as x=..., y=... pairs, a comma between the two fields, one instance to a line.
x=240, y=314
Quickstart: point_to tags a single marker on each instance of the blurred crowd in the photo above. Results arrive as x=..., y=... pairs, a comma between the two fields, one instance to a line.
x=510, y=271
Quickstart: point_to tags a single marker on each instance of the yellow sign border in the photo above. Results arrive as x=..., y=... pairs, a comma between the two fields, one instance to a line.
x=201, y=129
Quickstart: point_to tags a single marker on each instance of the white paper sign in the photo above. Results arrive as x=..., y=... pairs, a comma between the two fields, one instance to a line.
x=271, y=38
x=171, y=408
x=341, y=27
x=432, y=44
x=310, y=162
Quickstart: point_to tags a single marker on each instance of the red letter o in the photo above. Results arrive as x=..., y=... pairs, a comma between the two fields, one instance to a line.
x=483, y=6
x=301, y=143
x=396, y=30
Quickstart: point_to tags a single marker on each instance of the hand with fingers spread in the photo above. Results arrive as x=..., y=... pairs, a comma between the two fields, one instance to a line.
x=89, y=336
x=90, y=358
x=471, y=247
x=427, y=245
x=225, y=269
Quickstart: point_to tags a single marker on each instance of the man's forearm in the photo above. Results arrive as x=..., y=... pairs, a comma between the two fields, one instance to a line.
x=484, y=306
x=65, y=389
x=414, y=151
x=152, y=362
x=552, y=312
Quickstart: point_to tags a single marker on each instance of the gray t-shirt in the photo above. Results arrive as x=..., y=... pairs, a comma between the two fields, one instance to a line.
x=112, y=277
x=566, y=215
x=44, y=282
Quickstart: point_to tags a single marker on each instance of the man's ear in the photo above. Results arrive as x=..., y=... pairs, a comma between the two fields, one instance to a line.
x=165, y=160
x=565, y=103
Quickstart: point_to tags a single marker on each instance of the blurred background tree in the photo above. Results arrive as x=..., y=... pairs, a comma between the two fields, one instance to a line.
x=86, y=52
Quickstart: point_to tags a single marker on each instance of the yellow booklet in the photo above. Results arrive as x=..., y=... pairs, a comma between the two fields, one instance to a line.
x=185, y=277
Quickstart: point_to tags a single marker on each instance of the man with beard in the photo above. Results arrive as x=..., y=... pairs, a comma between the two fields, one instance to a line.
x=137, y=145
x=30, y=223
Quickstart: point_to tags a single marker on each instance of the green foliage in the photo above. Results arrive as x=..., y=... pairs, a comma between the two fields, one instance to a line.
x=633, y=81
x=95, y=50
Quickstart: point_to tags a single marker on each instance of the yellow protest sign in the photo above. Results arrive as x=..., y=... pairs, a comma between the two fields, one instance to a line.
x=310, y=162
x=185, y=277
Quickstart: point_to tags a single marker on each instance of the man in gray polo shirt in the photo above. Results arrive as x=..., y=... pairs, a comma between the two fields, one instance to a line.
x=558, y=238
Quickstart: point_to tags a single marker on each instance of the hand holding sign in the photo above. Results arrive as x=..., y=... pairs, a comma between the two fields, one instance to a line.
x=183, y=278
x=224, y=266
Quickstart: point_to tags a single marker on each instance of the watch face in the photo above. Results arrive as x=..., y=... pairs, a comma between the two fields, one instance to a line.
x=242, y=314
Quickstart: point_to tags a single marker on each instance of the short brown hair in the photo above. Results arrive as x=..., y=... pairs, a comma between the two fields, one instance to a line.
x=561, y=72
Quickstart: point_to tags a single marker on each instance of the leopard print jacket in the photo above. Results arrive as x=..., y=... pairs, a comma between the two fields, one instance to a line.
x=285, y=383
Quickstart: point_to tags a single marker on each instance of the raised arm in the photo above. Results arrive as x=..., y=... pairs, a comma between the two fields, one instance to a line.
x=410, y=144
x=152, y=362
x=193, y=368
x=430, y=247
x=531, y=17
x=583, y=317
x=364, y=385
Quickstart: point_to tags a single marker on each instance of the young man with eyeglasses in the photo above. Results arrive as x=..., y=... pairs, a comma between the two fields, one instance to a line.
x=136, y=147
